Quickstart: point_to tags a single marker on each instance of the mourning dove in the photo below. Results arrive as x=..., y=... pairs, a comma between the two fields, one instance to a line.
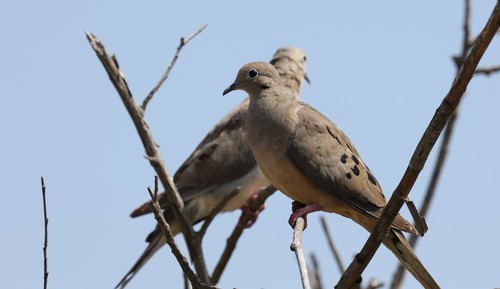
x=222, y=162
x=308, y=158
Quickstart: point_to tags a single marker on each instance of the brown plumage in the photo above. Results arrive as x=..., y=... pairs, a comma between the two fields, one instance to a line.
x=309, y=159
x=220, y=163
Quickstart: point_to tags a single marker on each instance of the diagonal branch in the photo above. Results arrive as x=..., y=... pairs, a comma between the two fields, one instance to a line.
x=443, y=151
x=155, y=207
x=116, y=76
x=182, y=43
x=443, y=113
x=218, y=208
x=397, y=282
x=237, y=232
x=331, y=244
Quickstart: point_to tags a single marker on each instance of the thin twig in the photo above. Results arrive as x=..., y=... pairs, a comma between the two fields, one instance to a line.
x=46, y=238
x=296, y=247
x=316, y=282
x=116, y=76
x=331, y=244
x=466, y=42
x=155, y=207
x=419, y=219
x=182, y=43
x=487, y=70
x=232, y=240
x=443, y=113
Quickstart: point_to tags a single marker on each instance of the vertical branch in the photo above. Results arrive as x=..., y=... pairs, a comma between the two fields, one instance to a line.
x=443, y=113
x=316, y=274
x=46, y=238
x=296, y=247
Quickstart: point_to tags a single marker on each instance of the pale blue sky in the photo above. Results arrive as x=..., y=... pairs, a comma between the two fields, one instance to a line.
x=378, y=69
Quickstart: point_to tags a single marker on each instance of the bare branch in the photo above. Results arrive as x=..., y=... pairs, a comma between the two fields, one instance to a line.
x=116, y=76
x=397, y=281
x=400, y=271
x=316, y=274
x=420, y=223
x=155, y=207
x=182, y=43
x=467, y=41
x=46, y=238
x=237, y=232
x=332, y=246
x=487, y=70
x=296, y=247
x=443, y=113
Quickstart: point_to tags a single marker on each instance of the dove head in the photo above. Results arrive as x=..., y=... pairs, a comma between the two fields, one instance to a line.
x=291, y=65
x=255, y=77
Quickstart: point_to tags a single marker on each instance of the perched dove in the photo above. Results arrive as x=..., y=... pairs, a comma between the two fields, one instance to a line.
x=220, y=163
x=309, y=159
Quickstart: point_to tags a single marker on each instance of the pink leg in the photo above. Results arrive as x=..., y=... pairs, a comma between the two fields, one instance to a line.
x=301, y=210
x=248, y=212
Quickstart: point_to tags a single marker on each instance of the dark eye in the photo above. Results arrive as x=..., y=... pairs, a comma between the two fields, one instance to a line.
x=305, y=58
x=253, y=73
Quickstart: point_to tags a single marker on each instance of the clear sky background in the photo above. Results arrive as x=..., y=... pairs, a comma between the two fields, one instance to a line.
x=378, y=69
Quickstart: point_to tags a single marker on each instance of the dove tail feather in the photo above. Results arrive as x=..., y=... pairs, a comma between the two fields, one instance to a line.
x=152, y=248
x=396, y=242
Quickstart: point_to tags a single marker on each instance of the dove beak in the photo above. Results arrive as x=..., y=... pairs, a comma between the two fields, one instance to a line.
x=234, y=86
x=306, y=78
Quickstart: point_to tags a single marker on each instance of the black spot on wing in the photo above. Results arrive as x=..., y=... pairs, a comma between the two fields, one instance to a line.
x=355, y=159
x=344, y=158
x=355, y=170
x=371, y=178
x=348, y=175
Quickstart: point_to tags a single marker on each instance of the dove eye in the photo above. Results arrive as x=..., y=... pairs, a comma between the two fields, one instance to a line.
x=253, y=73
x=305, y=58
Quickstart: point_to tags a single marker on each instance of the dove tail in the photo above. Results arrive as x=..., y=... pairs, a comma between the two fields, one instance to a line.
x=156, y=240
x=396, y=242
x=152, y=248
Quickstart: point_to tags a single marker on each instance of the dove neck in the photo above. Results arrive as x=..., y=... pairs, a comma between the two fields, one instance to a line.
x=272, y=111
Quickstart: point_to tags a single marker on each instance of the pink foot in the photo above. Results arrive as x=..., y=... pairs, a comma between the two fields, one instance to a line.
x=301, y=210
x=247, y=212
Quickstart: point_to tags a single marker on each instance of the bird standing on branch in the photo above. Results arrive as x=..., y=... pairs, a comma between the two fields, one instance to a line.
x=222, y=162
x=308, y=158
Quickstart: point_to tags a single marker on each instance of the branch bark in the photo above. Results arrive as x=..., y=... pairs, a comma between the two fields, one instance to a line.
x=46, y=237
x=136, y=112
x=443, y=151
x=155, y=207
x=443, y=113
x=296, y=247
